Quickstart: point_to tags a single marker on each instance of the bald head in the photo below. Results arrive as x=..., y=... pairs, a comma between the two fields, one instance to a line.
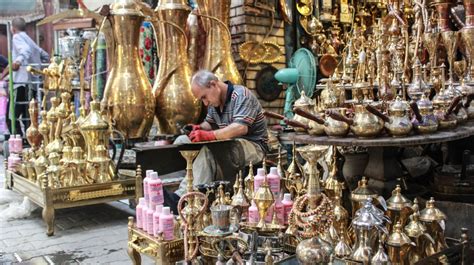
x=19, y=24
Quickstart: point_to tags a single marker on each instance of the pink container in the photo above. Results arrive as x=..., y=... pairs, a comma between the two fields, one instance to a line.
x=167, y=224
x=258, y=179
x=3, y=114
x=139, y=212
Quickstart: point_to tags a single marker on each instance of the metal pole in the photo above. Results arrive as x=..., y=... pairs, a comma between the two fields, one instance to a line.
x=10, y=80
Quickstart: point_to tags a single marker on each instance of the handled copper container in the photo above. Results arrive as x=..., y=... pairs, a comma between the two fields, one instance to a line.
x=175, y=104
x=127, y=96
x=218, y=55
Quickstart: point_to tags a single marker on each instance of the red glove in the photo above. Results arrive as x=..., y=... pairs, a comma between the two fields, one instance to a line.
x=202, y=136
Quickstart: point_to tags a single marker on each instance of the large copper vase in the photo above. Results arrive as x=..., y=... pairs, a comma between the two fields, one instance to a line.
x=128, y=97
x=467, y=35
x=175, y=104
x=218, y=55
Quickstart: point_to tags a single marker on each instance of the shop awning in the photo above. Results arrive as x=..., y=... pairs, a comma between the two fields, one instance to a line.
x=30, y=10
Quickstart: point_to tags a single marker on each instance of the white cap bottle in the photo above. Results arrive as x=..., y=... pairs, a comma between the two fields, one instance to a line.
x=155, y=190
x=139, y=212
x=156, y=219
x=166, y=225
x=145, y=186
x=287, y=206
x=258, y=179
x=274, y=181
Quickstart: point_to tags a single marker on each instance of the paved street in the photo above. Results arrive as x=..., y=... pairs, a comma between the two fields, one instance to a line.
x=84, y=235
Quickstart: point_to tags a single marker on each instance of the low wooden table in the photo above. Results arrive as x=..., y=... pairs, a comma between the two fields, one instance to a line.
x=127, y=186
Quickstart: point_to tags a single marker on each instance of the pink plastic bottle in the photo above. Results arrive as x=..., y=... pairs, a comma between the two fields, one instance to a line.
x=287, y=206
x=258, y=179
x=144, y=217
x=274, y=181
x=146, y=186
x=155, y=190
x=166, y=225
x=280, y=210
x=139, y=212
x=149, y=220
x=12, y=144
x=253, y=213
x=19, y=143
x=13, y=161
x=156, y=219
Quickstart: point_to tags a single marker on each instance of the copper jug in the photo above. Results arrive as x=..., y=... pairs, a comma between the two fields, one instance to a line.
x=218, y=55
x=175, y=104
x=127, y=95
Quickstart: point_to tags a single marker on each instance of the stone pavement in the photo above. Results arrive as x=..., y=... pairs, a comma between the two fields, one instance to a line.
x=84, y=235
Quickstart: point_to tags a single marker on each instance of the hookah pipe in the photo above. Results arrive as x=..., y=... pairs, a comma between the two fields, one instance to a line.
x=188, y=224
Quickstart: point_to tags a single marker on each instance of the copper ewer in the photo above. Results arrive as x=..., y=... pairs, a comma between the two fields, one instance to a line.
x=175, y=104
x=218, y=55
x=127, y=96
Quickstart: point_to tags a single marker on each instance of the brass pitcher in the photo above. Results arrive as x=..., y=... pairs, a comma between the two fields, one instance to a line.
x=33, y=135
x=127, y=95
x=218, y=55
x=398, y=207
x=399, y=246
x=175, y=103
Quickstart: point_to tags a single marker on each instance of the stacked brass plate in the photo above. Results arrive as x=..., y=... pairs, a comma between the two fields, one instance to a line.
x=304, y=7
x=255, y=52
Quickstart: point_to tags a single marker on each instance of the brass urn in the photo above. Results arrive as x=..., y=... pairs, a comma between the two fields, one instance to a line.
x=127, y=94
x=175, y=104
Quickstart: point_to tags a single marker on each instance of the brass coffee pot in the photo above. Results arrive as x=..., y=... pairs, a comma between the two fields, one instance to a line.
x=175, y=104
x=434, y=220
x=304, y=105
x=336, y=124
x=315, y=123
x=313, y=251
x=218, y=56
x=398, y=207
x=127, y=95
x=364, y=124
x=40, y=164
x=399, y=246
x=418, y=234
x=397, y=122
x=443, y=109
x=361, y=194
x=33, y=135
x=425, y=121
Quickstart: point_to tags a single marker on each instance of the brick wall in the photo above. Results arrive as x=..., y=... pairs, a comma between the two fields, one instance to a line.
x=246, y=26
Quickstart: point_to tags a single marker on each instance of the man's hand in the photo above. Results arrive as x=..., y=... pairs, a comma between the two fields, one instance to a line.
x=15, y=66
x=202, y=136
x=194, y=127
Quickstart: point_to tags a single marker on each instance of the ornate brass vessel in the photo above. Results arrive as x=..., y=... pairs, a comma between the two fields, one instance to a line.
x=399, y=246
x=417, y=233
x=425, y=121
x=443, y=105
x=361, y=194
x=315, y=123
x=398, y=207
x=434, y=220
x=127, y=96
x=335, y=126
x=467, y=36
x=397, y=122
x=175, y=103
x=218, y=54
x=33, y=134
x=305, y=105
x=263, y=199
x=313, y=251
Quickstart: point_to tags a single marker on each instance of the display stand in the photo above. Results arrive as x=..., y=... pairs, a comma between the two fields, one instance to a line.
x=127, y=186
x=383, y=164
x=162, y=252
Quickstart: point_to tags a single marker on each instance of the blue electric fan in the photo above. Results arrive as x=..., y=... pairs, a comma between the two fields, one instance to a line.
x=300, y=75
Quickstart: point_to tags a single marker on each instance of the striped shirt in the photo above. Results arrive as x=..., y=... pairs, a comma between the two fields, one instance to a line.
x=242, y=107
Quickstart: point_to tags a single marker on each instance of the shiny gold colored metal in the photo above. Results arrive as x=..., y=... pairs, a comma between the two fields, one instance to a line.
x=305, y=103
x=175, y=103
x=441, y=103
x=33, y=134
x=380, y=257
x=434, y=220
x=334, y=125
x=263, y=199
x=128, y=97
x=399, y=246
x=398, y=208
x=255, y=52
x=294, y=181
x=218, y=54
x=190, y=207
x=249, y=182
x=425, y=121
x=399, y=123
x=313, y=251
x=361, y=194
x=418, y=234
x=239, y=199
